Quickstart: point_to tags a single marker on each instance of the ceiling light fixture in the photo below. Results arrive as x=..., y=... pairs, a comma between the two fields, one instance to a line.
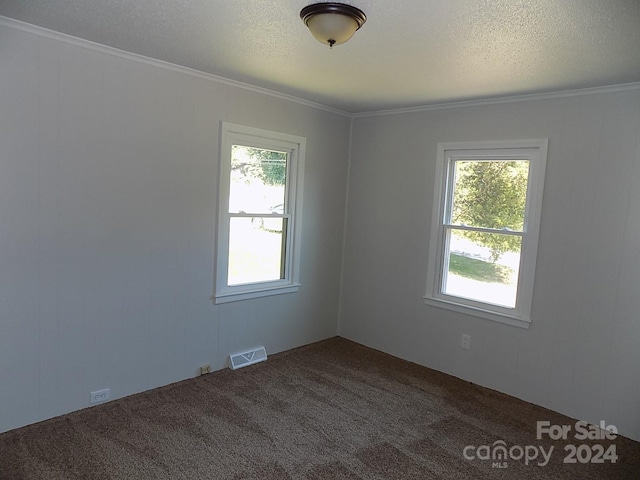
x=332, y=23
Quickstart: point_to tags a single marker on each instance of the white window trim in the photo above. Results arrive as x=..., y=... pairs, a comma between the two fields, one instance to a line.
x=519, y=316
x=231, y=134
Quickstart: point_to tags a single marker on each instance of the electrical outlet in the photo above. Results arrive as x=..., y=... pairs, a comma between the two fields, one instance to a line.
x=465, y=341
x=100, y=396
x=205, y=369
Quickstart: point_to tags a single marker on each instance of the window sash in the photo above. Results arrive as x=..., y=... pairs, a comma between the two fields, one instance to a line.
x=445, y=271
x=285, y=257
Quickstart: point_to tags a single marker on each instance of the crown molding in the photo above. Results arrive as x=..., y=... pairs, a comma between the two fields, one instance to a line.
x=104, y=49
x=498, y=100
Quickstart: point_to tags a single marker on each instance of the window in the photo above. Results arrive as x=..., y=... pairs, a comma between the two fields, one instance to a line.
x=258, y=241
x=484, y=234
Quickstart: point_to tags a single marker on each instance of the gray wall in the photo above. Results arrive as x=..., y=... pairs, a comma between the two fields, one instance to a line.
x=580, y=356
x=108, y=175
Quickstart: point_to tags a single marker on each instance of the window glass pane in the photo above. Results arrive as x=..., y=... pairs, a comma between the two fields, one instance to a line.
x=483, y=267
x=256, y=249
x=258, y=180
x=490, y=194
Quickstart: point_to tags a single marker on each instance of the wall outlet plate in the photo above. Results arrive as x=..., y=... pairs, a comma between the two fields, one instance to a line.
x=100, y=396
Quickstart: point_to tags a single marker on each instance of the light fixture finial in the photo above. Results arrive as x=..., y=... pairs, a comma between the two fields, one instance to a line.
x=332, y=23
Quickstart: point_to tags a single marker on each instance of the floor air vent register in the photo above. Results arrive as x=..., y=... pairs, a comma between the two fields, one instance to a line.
x=249, y=357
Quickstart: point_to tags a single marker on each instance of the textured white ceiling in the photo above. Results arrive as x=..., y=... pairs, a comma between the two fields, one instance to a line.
x=409, y=53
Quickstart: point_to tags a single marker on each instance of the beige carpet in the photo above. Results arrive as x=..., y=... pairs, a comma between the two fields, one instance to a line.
x=332, y=410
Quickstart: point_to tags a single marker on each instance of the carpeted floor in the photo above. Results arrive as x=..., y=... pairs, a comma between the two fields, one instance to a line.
x=331, y=410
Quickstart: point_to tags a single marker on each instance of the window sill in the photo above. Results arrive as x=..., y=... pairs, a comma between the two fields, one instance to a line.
x=479, y=312
x=227, y=297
